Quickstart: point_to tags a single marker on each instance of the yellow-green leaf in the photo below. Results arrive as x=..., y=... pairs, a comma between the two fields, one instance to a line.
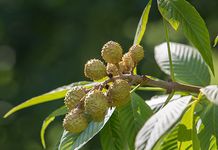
x=187, y=135
x=58, y=112
x=50, y=96
x=142, y=24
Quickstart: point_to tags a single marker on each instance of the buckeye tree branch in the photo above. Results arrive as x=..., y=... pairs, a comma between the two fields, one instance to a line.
x=145, y=80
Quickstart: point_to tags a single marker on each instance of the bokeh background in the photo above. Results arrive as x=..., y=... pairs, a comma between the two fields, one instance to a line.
x=45, y=43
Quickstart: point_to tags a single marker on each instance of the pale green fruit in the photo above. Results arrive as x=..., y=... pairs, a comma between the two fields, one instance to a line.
x=75, y=121
x=96, y=105
x=119, y=93
x=112, y=52
x=74, y=96
x=95, y=69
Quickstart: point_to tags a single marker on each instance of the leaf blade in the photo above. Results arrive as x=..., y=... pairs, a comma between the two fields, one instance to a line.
x=58, y=112
x=189, y=66
x=71, y=141
x=208, y=133
x=142, y=24
x=187, y=135
x=182, y=13
x=50, y=96
x=160, y=123
x=112, y=135
x=133, y=116
x=211, y=92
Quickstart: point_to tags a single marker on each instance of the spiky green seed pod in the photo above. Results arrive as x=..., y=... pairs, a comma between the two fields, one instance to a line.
x=96, y=105
x=75, y=121
x=137, y=53
x=112, y=52
x=112, y=69
x=74, y=96
x=95, y=69
x=119, y=92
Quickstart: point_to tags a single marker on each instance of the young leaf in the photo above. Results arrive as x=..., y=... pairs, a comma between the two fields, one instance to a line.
x=133, y=116
x=208, y=133
x=142, y=24
x=71, y=141
x=160, y=123
x=50, y=96
x=112, y=135
x=58, y=112
x=187, y=135
x=211, y=92
x=181, y=13
x=189, y=66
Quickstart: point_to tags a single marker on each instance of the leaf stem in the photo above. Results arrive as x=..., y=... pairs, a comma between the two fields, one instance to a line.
x=155, y=89
x=169, y=51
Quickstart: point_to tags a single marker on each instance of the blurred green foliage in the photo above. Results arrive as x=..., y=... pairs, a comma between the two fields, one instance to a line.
x=44, y=44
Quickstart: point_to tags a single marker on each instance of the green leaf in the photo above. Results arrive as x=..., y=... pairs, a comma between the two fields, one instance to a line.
x=133, y=116
x=50, y=96
x=142, y=24
x=187, y=135
x=71, y=141
x=160, y=123
x=208, y=134
x=180, y=13
x=58, y=112
x=215, y=41
x=189, y=66
x=211, y=92
x=156, y=102
x=112, y=135
x=170, y=141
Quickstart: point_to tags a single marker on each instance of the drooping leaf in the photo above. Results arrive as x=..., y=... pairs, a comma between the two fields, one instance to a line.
x=71, y=141
x=208, y=134
x=180, y=13
x=160, y=123
x=112, y=135
x=211, y=92
x=58, y=112
x=50, y=96
x=156, y=102
x=133, y=116
x=142, y=24
x=187, y=135
x=189, y=66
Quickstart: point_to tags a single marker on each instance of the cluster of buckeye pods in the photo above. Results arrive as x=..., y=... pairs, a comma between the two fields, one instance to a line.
x=86, y=105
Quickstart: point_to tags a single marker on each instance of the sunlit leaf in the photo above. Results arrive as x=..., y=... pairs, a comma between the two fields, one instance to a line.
x=71, y=141
x=180, y=13
x=142, y=24
x=170, y=141
x=211, y=92
x=160, y=123
x=187, y=135
x=50, y=96
x=215, y=41
x=58, y=112
x=189, y=66
x=156, y=102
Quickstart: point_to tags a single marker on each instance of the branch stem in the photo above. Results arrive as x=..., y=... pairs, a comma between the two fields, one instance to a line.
x=169, y=51
x=144, y=80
